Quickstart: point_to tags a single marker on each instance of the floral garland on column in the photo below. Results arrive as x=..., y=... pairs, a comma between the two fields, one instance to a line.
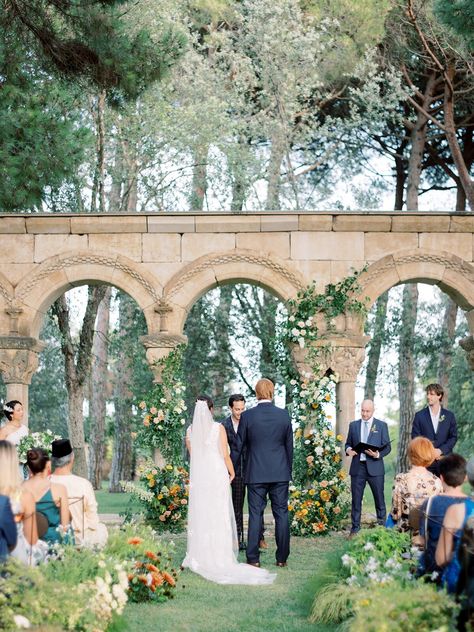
x=319, y=496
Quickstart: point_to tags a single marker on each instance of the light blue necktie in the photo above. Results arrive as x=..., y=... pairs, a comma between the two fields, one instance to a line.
x=364, y=433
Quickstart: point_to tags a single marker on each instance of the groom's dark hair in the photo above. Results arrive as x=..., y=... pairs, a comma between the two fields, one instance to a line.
x=205, y=398
x=236, y=397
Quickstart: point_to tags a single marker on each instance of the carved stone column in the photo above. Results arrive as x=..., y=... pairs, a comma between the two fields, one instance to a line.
x=18, y=362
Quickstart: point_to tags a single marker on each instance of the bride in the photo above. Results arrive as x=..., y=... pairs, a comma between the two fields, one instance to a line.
x=212, y=534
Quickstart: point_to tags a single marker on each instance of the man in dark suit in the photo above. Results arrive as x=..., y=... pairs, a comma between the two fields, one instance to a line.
x=231, y=425
x=436, y=424
x=368, y=466
x=265, y=432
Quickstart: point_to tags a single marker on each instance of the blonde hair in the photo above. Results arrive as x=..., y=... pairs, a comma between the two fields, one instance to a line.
x=10, y=479
x=264, y=389
x=421, y=451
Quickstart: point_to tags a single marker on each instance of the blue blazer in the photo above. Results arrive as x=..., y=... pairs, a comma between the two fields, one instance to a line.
x=378, y=436
x=447, y=434
x=237, y=456
x=8, y=530
x=266, y=434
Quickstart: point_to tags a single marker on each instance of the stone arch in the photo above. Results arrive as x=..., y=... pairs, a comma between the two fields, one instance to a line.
x=241, y=266
x=54, y=276
x=453, y=275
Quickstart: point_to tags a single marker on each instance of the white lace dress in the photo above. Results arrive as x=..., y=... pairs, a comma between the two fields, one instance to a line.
x=212, y=535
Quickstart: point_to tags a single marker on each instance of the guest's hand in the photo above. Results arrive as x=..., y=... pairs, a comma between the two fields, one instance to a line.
x=231, y=477
x=438, y=454
x=351, y=452
x=373, y=453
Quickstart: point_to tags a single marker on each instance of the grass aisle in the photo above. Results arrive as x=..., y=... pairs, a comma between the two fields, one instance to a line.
x=207, y=607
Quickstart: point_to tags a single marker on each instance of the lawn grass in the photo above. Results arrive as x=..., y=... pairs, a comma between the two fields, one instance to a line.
x=113, y=503
x=206, y=607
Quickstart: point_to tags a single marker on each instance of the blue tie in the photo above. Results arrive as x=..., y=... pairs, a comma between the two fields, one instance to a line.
x=364, y=433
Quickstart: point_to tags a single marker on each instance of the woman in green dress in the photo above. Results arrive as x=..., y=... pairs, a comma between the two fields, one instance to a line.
x=51, y=498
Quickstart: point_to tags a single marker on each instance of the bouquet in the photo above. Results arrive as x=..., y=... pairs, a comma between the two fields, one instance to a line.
x=36, y=440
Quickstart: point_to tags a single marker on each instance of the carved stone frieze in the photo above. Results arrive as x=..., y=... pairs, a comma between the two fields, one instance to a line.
x=18, y=365
x=163, y=339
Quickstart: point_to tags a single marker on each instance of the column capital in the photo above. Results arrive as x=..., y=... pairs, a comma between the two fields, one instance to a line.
x=468, y=345
x=158, y=346
x=19, y=358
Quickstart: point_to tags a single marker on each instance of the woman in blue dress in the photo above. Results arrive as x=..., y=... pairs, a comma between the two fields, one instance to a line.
x=51, y=498
x=448, y=543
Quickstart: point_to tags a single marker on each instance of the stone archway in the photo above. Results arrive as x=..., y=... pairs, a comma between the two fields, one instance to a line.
x=34, y=294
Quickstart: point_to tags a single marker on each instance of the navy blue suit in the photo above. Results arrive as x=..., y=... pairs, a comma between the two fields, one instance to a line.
x=445, y=437
x=371, y=471
x=8, y=530
x=265, y=432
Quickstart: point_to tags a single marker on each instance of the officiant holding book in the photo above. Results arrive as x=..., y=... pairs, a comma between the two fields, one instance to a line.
x=368, y=442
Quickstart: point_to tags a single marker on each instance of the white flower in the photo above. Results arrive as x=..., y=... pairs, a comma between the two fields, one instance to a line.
x=318, y=450
x=368, y=546
x=307, y=442
x=309, y=321
x=291, y=319
x=301, y=343
x=163, y=400
x=373, y=576
x=295, y=332
x=21, y=621
x=101, y=564
x=372, y=564
x=351, y=580
x=347, y=560
x=182, y=421
x=302, y=405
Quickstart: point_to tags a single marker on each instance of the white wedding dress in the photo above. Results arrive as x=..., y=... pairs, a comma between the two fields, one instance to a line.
x=212, y=534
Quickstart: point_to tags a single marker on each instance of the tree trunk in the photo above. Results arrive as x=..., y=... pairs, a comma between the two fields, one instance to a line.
x=451, y=136
x=98, y=184
x=122, y=459
x=418, y=141
x=375, y=347
x=77, y=364
x=274, y=174
x=199, y=184
x=98, y=391
x=447, y=346
x=406, y=372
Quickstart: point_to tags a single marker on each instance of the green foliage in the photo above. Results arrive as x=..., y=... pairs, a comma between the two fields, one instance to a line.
x=47, y=393
x=412, y=608
x=459, y=16
x=163, y=494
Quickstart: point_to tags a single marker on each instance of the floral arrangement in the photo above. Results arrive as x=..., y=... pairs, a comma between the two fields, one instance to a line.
x=318, y=508
x=163, y=493
x=36, y=440
x=151, y=575
x=164, y=411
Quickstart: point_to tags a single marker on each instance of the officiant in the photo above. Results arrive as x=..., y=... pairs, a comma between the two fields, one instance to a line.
x=368, y=442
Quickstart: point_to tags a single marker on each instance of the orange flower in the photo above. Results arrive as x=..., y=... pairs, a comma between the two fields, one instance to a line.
x=143, y=579
x=324, y=483
x=169, y=578
x=134, y=541
x=157, y=579
x=130, y=576
x=151, y=556
x=325, y=495
x=152, y=567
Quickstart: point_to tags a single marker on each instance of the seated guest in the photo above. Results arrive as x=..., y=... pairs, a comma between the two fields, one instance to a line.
x=452, y=470
x=413, y=487
x=82, y=503
x=8, y=534
x=50, y=498
x=448, y=544
x=28, y=549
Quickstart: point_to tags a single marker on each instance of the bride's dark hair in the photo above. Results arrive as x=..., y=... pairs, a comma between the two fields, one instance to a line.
x=207, y=399
x=9, y=407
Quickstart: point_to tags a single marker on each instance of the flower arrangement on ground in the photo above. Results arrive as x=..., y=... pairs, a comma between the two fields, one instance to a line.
x=163, y=493
x=151, y=575
x=164, y=411
x=36, y=440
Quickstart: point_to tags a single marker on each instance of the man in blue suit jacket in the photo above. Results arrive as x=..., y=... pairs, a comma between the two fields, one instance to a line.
x=367, y=467
x=436, y=424
x=265, y=432
x=8, y=530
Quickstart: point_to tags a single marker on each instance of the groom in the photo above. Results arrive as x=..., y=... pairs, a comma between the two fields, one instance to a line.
x=265, y=432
